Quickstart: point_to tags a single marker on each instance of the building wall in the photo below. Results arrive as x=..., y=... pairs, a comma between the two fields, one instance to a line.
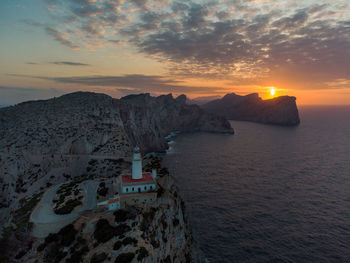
x=114, y=206
x=135, y=188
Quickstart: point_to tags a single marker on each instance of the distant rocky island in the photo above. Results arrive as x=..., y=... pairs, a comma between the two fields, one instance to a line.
x=279, y=111
x=54, y=153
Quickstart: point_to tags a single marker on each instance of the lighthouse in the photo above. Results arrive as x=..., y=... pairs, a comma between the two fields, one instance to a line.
x=137, y=181
x=137, y=164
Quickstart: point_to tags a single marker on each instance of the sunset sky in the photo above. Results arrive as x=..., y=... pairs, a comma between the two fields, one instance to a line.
x=199, y=48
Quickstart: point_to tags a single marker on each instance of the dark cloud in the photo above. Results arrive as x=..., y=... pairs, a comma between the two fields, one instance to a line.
x=69, y=63
x=131, y=83
x=57, y=35
x=134, y=83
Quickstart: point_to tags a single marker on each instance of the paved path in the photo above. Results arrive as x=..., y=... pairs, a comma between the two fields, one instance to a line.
x=46, y=221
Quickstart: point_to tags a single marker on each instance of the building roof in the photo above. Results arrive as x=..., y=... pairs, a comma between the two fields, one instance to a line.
x=146, y=178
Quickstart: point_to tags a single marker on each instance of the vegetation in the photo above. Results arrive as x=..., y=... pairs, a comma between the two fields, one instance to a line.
x=122, y=215
x=22, y=214
x=142, y=253
x=102, y=189
x=77, y=256
x=176, y=222
x=129, y=241
x=160, y=191
x=64, y=238
x=98, y=258
x=147, y=219
x=125, y=258
x=117, y=245
x=121, y=229
x=104, y=231
x=68, y=207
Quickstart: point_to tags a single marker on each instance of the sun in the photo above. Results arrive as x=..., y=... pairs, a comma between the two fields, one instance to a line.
x=272, y=91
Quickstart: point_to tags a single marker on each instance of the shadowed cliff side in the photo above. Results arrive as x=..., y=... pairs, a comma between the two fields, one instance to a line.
x=279, y=111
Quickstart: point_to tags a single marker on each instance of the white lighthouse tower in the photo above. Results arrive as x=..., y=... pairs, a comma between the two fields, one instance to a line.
x=137, y=165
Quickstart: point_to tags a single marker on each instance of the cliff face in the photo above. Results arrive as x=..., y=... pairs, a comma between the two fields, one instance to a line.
x=148, y=119
x=280, y=111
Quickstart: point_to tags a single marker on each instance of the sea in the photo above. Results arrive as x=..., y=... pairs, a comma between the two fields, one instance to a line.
x=269, y=193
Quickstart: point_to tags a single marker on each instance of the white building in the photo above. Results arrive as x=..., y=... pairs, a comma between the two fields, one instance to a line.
x=138, y=182
x=112, y=203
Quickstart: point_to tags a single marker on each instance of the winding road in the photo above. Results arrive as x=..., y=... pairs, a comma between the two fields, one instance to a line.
x=46, y=221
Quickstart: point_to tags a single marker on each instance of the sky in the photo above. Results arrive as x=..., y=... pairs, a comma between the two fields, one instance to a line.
x=198, y=48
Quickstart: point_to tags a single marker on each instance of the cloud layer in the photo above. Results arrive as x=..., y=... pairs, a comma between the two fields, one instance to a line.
x=307, y=42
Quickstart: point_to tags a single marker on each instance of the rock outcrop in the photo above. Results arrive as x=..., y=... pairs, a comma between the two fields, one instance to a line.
x=280, y=111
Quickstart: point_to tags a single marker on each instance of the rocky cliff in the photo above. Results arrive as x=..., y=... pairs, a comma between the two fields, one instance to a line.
x=280, y=111
x=81, y=135
x=157, y=233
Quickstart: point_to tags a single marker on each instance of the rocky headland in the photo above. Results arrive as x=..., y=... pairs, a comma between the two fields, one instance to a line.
x=279, y=111
x=81, y=136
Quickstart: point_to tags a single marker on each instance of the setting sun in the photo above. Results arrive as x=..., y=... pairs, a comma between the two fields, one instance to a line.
x=272, y=91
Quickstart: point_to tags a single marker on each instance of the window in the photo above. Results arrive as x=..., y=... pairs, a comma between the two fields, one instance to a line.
x=133, y=189
x=151, y=187
x=145, y=187
x=127, y=189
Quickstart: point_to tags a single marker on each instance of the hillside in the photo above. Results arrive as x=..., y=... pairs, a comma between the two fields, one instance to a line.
x=80, y=136
x=279, y=111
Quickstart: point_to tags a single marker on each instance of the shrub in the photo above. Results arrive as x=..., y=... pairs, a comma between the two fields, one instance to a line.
x=67, y=235
x=104, y=231
x=176, y=222
x=68, y=207
x=147, y=219
x=123, y=215
x=125, y=258
x=121, y=229
x=117, y=245
x=129, y=240
x=160, y=191
x=98, y=258
x=142, y=253
x=77, y=256
x=41, y=247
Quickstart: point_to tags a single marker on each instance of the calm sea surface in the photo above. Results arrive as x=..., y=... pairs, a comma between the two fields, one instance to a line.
x=269, y=193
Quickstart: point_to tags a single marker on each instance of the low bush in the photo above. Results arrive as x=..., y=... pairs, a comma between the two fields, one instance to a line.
x=125, y=258
x=67, y=235
x=129, y=240
x=98, y=258
x=142, y=253
x=77, y=256
x=122, y=215
x=117, y=245
x=104, y=231
x=68, y=207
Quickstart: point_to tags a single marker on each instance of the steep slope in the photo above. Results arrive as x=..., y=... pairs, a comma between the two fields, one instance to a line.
x=280, y=111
